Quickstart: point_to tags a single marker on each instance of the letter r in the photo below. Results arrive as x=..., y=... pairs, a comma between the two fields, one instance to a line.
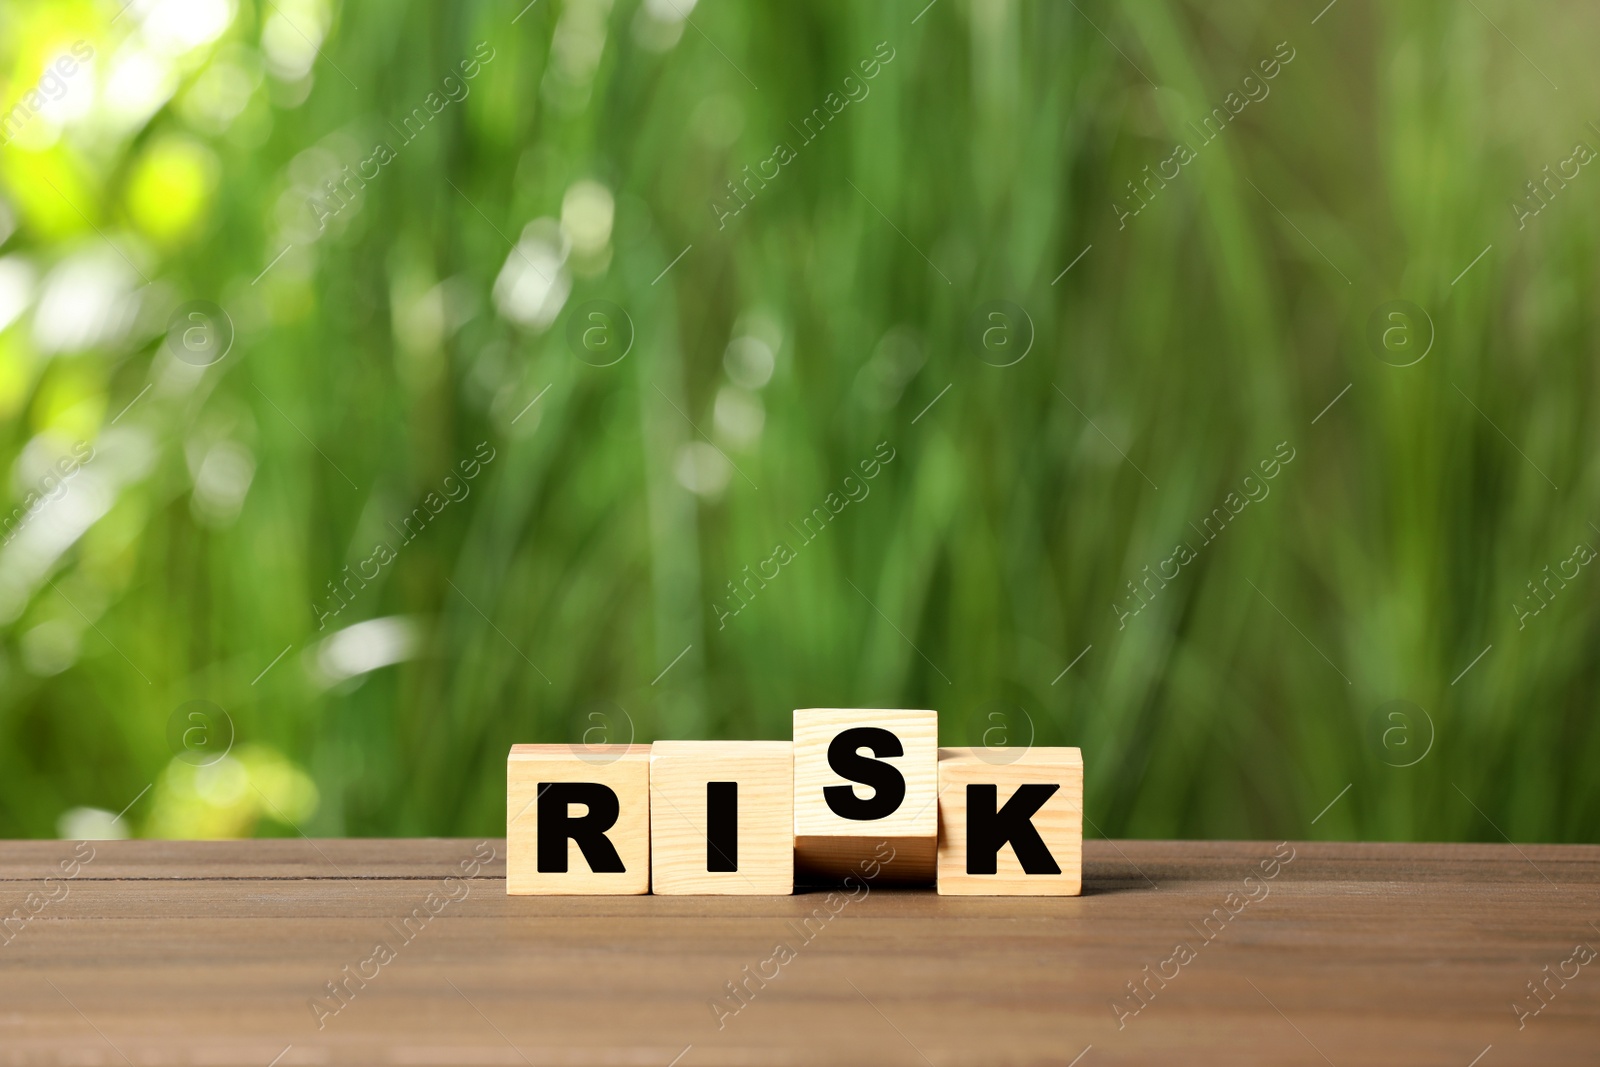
x=557, y=826
x=989, y=830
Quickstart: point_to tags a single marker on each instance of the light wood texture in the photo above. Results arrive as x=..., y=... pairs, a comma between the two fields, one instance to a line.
x=1371, y=955
x=624, y=769
x=1058, y=821
x=829, y=847
x=680, y=849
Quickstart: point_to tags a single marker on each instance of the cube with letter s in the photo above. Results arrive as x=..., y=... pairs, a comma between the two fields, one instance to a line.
x=865, y=777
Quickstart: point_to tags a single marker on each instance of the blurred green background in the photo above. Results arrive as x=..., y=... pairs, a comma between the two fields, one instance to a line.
x=546, y=383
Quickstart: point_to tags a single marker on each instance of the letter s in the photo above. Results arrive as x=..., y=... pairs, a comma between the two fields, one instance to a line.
x=888, y=783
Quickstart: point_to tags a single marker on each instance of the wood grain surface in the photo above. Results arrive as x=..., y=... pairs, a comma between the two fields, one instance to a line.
x=1347, y=954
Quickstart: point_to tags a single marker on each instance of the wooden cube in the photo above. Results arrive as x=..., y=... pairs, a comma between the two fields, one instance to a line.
x=861, y=777
x=1010, y=822
x=722, y=817
x=578, y=820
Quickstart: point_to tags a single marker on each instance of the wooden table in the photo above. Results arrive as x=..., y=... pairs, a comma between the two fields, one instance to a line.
x=1353, y=954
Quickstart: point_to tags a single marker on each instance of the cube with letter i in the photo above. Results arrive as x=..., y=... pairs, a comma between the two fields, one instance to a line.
x=861, y=777
x=1010, y=821
x=722, y=817
x=578, y=819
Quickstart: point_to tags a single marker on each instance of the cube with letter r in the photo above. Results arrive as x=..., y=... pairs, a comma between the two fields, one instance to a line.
x=1010, y=821
x=578, y=819
x=862, y=778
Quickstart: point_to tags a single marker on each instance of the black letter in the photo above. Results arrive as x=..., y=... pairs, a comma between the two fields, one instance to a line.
x=849, y=763
x=989, y=830
x=722, y=826
x=589, y=830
